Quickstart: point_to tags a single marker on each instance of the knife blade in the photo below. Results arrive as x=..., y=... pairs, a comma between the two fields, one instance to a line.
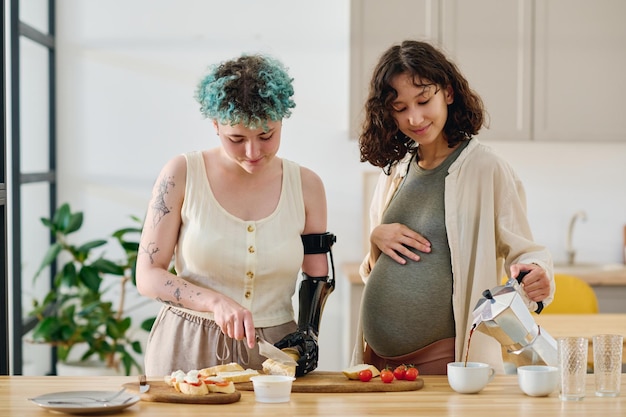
x=272, y=352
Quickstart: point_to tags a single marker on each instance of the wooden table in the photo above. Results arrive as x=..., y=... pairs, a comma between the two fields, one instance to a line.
x=585, y=325
x=502, y=397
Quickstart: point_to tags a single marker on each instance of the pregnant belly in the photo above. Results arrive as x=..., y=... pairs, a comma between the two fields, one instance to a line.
x=405, y=307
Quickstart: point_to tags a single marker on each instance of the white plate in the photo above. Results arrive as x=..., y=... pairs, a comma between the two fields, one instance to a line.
x=84, y=402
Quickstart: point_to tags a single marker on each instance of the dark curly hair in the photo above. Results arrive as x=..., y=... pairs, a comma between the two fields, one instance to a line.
x=381, y=143
x=249, y=90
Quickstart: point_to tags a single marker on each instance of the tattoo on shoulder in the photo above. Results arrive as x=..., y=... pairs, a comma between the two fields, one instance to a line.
x=159, y=206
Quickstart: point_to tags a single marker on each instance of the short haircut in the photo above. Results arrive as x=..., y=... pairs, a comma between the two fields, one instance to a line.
x=250, y=90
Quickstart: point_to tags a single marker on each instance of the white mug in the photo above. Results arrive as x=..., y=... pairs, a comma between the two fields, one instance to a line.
x=469, y=377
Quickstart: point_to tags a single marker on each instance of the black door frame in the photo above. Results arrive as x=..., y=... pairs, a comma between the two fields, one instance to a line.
x=4, y=272
x=19, y=29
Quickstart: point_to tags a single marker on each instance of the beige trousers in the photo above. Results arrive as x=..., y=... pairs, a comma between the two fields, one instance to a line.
x=179, y=340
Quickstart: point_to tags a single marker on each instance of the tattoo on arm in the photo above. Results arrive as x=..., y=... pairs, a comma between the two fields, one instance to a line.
x=177, y=294
x=159, y=206
x=151, y=251
x=169, y=303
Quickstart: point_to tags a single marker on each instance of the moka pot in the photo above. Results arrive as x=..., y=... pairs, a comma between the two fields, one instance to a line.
x=503, y=314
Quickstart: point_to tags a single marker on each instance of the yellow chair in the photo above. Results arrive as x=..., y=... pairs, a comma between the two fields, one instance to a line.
x=572, y=296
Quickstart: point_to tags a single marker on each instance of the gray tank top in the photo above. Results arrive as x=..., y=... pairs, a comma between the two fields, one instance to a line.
x=407, y=307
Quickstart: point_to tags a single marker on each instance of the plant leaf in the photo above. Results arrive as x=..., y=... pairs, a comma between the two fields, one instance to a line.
x=67, y=276
x=67, y=331
x=147, y=323
x=86, y=247
x=90, y=278
x=136, y=345
x=61, y=217
x=119, y=234
x=130, y=246
x=107, y=267
x=45, y=328
x=74, y=223
x=51, y=254
x=47, y=223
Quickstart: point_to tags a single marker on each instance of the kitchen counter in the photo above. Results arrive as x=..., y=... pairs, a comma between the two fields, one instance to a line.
x=612, y=275
x=502, y=397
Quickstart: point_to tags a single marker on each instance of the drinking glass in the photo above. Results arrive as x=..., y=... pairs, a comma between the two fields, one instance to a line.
x=572, y=354
x=607, y=364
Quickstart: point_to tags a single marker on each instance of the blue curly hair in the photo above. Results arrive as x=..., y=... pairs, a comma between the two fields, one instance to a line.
x=250, y=90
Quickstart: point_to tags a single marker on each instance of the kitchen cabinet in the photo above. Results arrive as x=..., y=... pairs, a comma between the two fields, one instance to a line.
x=374, y=26
x=546, y=70
x=491, y=43
x=580, y=62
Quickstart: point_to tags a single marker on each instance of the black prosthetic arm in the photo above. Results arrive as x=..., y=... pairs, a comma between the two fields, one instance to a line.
x=314, y=292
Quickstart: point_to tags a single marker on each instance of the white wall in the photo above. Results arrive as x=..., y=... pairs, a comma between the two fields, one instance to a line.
x=562, y=178
x=126, y=75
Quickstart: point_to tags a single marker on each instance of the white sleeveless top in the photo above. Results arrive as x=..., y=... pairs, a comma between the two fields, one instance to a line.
x=256, y=263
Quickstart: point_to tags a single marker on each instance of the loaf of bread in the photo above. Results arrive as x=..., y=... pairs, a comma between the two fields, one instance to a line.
x=192, y=384
x=272, y=367
x=214, y=370
x=238, y=376
x=198, y=388
x=293, y=352
x=215, y=384
x=174, y=379
x=353, y=371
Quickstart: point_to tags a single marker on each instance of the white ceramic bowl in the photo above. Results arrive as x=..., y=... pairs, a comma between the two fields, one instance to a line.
x=538, y=380
x=272, y=388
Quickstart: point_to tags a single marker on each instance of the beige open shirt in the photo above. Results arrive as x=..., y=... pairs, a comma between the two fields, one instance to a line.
x=488, y=231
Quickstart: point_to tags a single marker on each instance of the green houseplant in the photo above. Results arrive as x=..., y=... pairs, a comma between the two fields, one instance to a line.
x=74, y=311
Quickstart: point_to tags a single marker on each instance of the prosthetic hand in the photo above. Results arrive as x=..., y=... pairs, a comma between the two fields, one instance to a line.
x=312, y=297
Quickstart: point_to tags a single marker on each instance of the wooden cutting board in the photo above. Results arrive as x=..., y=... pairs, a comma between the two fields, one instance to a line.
x=161, y=392
x=336, y=382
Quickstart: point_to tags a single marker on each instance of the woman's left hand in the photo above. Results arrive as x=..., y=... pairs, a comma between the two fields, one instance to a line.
x=536, y=283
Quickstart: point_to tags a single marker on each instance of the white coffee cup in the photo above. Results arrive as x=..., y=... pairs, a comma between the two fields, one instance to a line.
x=538, y=380
x=469, y=377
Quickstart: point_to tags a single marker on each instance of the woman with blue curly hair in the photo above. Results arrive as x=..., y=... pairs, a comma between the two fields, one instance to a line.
x=233, y=218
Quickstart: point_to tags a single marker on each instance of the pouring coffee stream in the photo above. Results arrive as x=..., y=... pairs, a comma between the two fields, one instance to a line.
x=504, y=314
x=469, y=341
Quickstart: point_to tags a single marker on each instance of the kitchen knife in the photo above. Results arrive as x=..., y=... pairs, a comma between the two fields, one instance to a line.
x=272, y=352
